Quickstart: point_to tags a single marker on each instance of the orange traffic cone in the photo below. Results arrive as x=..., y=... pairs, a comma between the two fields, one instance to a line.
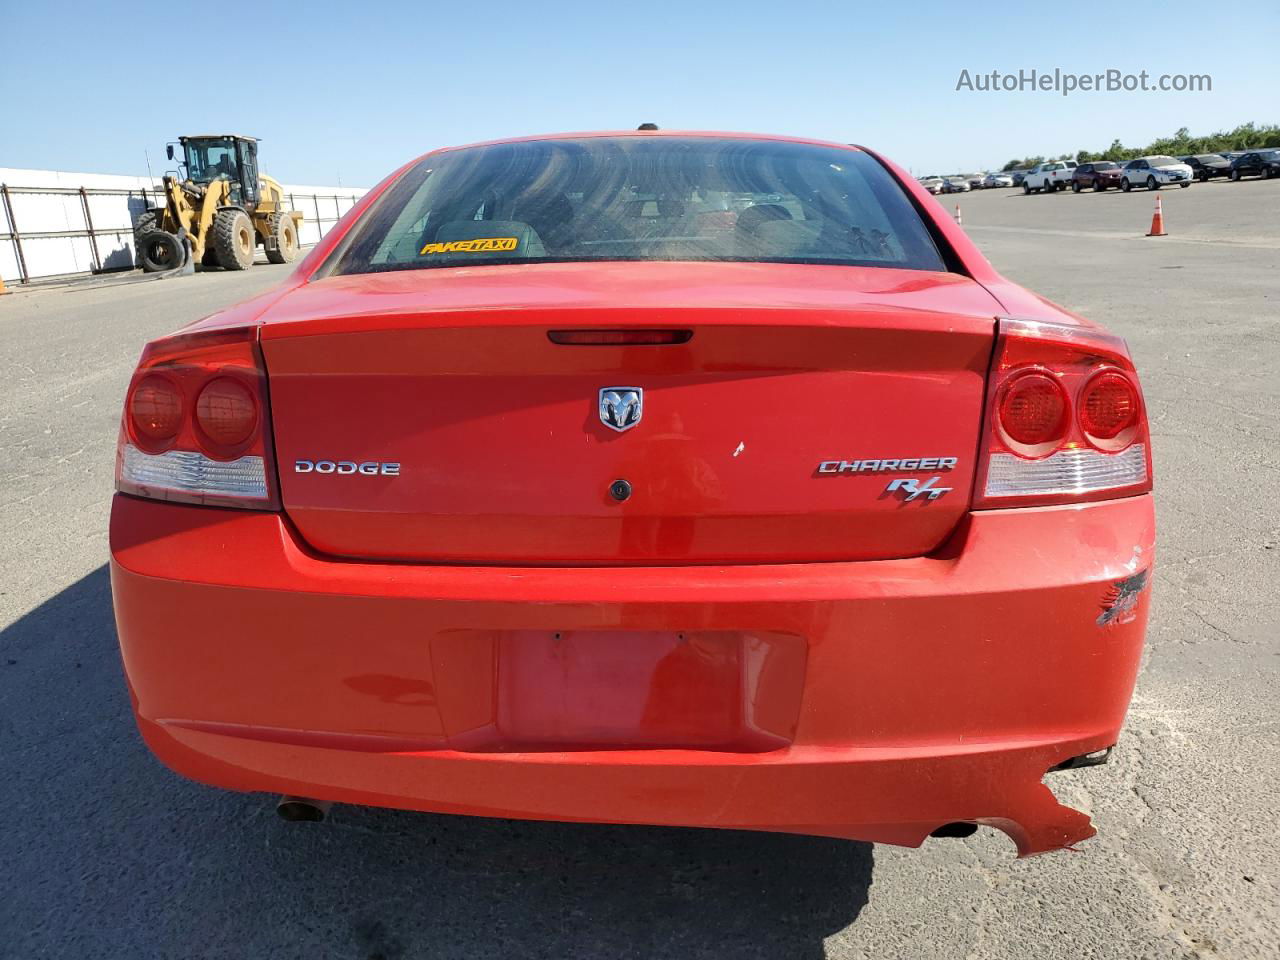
x=958, y=218
x=1157, y=221
x=2, y=289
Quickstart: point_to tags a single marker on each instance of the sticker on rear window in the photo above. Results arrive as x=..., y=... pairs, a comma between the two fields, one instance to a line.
x=479, y=245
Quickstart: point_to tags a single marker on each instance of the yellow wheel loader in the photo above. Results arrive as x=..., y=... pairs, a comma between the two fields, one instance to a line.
x=218, y=213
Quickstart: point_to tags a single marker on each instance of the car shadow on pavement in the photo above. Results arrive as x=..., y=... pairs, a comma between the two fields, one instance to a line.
x=108, y=854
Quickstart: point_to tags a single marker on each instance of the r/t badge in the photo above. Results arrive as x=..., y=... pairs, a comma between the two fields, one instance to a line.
x=913, y=488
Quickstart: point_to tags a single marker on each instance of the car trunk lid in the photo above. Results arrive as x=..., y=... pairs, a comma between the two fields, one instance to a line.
x=429, y=416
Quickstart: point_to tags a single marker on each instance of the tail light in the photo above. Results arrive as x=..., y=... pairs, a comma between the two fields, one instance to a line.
x=1065, y=422
x=196, y=425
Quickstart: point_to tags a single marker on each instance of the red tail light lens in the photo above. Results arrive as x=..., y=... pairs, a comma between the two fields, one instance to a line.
x=226, y=412
x=1033, y=409
x=1065, y=421
x=1108, y=406
x=155, y=410
x=196, y=427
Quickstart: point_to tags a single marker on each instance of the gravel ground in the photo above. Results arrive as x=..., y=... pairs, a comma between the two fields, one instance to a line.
x=105, y=854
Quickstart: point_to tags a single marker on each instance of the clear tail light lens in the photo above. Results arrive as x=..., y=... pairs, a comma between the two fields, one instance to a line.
x=1065, y=421
x=1066, y=475
x=196, y=424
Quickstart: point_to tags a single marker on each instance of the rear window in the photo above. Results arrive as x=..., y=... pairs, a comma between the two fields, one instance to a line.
x=1106, y=165
x=641, y=198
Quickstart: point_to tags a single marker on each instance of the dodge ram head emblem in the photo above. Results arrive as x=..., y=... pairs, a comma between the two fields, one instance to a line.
x=621, y=407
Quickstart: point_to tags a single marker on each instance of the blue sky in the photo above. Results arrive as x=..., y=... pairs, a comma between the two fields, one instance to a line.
x=349, y=91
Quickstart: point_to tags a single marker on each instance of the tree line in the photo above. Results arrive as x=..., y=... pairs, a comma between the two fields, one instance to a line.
x=1247, y=136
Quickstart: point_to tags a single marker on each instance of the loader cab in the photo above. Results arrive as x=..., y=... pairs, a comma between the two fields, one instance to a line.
x=225, y=157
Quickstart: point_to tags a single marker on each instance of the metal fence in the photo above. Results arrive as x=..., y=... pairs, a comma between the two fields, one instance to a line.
x=99, y=227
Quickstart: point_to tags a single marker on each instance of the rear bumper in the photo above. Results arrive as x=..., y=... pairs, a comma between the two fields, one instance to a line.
x=879, y=700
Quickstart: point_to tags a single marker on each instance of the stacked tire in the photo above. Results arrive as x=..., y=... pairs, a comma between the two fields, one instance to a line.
x=156, y=250
x=159, y=250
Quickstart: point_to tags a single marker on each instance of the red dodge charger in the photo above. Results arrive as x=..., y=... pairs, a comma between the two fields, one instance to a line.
x=667, y=478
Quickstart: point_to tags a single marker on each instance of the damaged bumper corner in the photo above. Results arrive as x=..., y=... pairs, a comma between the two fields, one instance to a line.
x=897, y=796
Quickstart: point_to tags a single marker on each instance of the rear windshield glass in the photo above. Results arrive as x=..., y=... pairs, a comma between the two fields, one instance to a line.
x=641, y=198
x=1106, y=165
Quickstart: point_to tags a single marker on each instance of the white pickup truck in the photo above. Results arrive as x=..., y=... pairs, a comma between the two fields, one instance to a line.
x=1048, y=177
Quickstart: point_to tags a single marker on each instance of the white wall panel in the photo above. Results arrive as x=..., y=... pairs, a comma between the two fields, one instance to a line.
x=113, y=215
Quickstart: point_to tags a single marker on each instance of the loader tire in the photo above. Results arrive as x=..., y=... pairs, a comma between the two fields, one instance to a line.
x=233, y=239
x=159, y=250
x=285, y=230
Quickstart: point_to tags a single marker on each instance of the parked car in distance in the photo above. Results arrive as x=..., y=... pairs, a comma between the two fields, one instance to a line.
x=1018, y=176
x=1256, y=163
x=933, y=184
x=1099, y=175
x=955, y=185
x=457, y=518
x=975, y=181
x=1205, y=166
x=1154, y=172
x=1047, y=177
x=997, y=180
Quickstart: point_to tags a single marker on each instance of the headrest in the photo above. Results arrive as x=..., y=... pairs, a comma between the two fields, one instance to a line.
x=788, y=238
x=751, y=218
x=545, y=209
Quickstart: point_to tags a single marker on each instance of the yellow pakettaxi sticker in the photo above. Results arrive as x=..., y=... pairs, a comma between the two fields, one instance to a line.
x=480, y=245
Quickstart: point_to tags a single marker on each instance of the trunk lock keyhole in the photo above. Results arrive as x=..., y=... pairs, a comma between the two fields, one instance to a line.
x=620, y=490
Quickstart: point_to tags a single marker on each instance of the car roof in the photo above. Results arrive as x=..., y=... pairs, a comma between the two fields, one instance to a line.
x=606, y=134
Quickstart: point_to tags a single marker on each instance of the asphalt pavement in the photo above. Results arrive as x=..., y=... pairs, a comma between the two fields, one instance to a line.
x=105, y=854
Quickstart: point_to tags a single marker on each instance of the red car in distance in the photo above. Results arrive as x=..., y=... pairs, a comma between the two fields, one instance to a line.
x=1099, y=175
x=666, y=478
